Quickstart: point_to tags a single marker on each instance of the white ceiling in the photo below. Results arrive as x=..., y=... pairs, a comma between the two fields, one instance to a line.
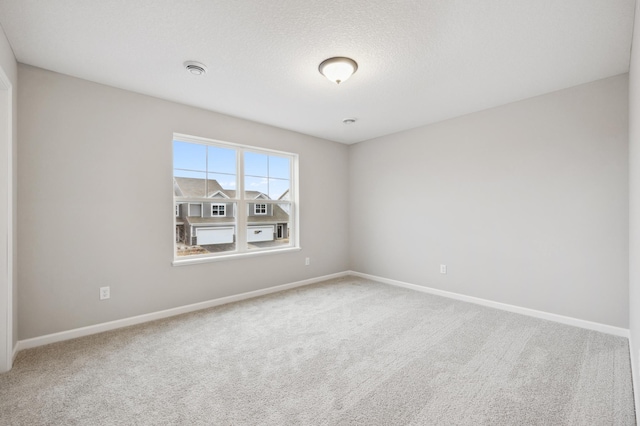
x=420, y=61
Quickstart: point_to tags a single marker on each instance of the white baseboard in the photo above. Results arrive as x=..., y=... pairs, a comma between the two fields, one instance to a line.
x=16, y=348
x=125, y=322
x=616, y=331
x=633, y=352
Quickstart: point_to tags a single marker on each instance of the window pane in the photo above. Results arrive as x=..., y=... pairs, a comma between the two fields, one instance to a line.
x=266, y=174
x=209, y=228
x=222, y=160
x=222, y=184
x=189, y=184
x=188, y=174
x=256, y=187
x=189, y=156
x=270, y=229
x=278, y=188
x=256, y=164
x=279, y=167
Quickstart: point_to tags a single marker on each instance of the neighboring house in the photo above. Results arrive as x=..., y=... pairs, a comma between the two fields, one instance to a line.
x=201, y=222
x=285, y=197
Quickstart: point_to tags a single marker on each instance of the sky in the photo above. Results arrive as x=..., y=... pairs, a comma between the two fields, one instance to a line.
x=268, y=174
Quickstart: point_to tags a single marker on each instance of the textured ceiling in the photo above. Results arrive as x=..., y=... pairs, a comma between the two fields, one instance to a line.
x=420, y=61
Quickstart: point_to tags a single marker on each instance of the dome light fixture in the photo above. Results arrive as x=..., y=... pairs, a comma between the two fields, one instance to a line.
x=195, y=68
x=338, y=69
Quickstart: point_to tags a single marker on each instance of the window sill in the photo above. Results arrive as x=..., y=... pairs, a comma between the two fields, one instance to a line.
x=231, y=256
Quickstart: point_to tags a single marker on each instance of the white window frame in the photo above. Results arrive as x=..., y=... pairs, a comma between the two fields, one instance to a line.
x=260, y=209
x=221, y=208
x=241, y=203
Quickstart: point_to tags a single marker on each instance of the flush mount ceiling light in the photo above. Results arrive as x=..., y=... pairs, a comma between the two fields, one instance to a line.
x=195, y=68
x=338, y=69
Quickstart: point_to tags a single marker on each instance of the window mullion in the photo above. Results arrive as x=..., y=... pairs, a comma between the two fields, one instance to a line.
x=206, y=171
x=294, y=206
x=241, y=212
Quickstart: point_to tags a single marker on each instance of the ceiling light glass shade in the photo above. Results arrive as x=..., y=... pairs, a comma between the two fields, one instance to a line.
x=338, y=69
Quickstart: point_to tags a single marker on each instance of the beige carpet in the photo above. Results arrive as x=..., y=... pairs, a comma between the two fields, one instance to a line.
x=346, y=351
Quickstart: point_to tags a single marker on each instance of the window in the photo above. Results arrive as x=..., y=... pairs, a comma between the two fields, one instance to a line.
x=218, y=210
x=239, y=199
x=195, y=210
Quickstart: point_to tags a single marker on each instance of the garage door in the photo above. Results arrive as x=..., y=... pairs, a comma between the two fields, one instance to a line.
x=214, y=235
x=259, y=233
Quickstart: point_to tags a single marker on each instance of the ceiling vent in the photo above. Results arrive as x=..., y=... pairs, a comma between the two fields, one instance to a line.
x=195, y=68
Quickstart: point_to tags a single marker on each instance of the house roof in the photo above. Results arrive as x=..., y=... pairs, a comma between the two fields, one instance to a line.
x=206, y=188
x=285, y=196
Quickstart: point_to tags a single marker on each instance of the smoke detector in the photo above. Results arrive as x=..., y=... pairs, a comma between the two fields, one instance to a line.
x=349, y=120
x=195, y=68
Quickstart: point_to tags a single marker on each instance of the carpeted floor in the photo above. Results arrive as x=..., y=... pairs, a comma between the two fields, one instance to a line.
x=347, y=351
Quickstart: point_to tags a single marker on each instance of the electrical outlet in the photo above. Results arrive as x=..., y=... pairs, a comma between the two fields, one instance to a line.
x=443, y=269
x=307, y=261
x=105, y=293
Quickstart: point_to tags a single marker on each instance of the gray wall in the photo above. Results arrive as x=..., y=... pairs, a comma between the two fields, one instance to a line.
x=106, y=153
x=634, y=196
x=525, y=203
x=9, y=66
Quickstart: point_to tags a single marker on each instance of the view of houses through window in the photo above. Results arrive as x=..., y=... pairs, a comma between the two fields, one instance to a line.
x=230, y=198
